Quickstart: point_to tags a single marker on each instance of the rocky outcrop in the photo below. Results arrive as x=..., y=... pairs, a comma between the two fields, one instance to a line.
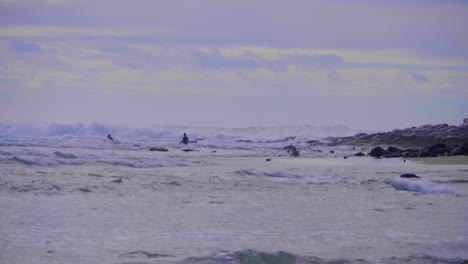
x=426, y=135
x=409, y=175
x=292, y=150
x=459, y=150
x=377, y=152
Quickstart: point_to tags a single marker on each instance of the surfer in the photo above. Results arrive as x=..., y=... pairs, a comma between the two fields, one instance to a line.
x=184, y=139
x=110, y=137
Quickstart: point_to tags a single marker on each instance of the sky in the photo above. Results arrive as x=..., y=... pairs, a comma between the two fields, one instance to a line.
x=379, y=65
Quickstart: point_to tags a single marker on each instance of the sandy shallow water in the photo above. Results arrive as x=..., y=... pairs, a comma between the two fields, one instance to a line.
x=327, y=208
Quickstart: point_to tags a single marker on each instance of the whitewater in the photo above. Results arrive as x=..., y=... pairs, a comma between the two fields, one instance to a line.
x=69, y=195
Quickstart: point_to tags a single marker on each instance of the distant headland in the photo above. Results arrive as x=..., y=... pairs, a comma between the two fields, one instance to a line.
x=423, y=141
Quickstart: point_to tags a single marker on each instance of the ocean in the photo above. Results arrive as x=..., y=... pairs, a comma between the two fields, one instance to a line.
x=69, y=195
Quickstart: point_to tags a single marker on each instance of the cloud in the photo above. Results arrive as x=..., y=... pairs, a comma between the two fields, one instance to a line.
x=43, y=2
x=417, y=77
x=317, y=60
x=436, y=27
x=214, y=60
x=334, y=77
x=27, y=47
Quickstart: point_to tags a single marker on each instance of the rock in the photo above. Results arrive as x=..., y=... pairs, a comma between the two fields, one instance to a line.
x=312, y=141
x=332, y=151
x=391, y=155
x=187, y=150
x=436, y=146
x=159, y=149
x=424, y=154
x=410, y=150
x=465, y=122
x=409, y=175
x=438, y=152
x=268, y=159
x=393, y=150
x=292, y=150
x=377, y=152
x=244, y=141
x=359, y=154
x=422, y=136
x=410, y=154
x=461, y=150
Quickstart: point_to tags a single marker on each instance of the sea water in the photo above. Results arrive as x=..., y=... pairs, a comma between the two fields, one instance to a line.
x=77, y=198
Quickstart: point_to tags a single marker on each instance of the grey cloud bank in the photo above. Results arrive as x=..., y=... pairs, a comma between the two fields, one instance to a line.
x=365, y=64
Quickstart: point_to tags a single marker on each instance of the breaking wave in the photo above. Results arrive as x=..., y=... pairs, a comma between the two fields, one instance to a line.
x=94, y=134
x=419, y=186
x=65, y=155
x=282, y=257
x=44, y=161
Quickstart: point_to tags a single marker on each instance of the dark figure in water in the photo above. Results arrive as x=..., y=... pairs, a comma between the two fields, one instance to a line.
x=185, y=139
x=110, y=137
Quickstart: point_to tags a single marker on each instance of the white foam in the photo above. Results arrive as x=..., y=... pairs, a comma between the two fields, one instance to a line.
x=95, y=134
x=419, y=186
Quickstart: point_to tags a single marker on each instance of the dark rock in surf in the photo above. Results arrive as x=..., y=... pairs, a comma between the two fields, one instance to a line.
x=461, y=150
x=392, y=155
x=438, y=152
x=424, y=154
x=422, y=136
x=292, y=150
x=359, y=154
x=409, y=175
x=187, y=150
x=392, y=149
x=377, y=152
x=410, y=154
x=436, y=146
x=159, y=149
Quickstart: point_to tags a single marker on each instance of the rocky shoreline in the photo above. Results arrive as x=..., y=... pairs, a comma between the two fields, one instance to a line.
x=423, y=141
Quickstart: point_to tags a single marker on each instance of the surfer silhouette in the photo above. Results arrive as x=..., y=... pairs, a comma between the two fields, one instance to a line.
x=184, y=140
x=110, y=137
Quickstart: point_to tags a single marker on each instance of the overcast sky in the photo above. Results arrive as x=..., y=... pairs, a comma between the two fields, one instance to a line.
x=366, y=64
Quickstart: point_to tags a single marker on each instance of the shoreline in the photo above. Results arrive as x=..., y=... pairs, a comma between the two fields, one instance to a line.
x=454, y=160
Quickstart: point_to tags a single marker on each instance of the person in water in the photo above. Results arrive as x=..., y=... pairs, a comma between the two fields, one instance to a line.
x=185, y=139
x=110, y=137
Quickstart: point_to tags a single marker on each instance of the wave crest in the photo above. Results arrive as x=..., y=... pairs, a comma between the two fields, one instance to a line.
x=419, y=186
